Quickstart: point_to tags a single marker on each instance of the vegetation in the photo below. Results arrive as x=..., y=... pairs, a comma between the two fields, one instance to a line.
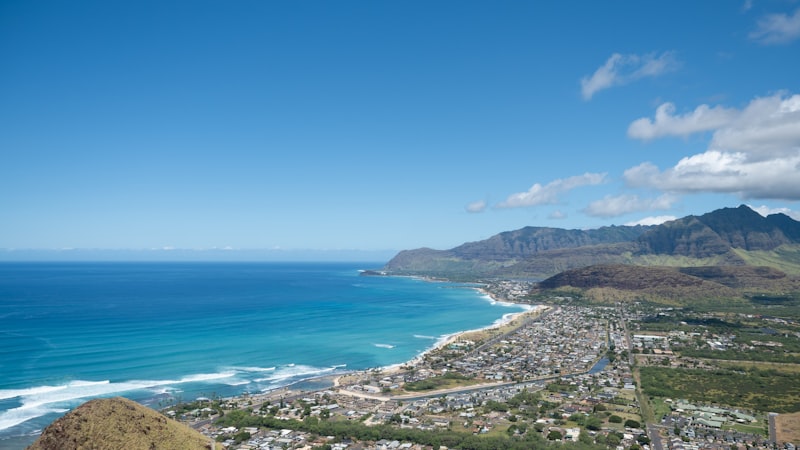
x=725, y=237
x=448, y=380
x=361, y=432
x=117, y=423
x=785, y=258
x=760, y=390
x=757, y=354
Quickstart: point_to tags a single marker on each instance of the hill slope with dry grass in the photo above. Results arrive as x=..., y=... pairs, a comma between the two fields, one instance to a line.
x=678, y=285
x=118, y=423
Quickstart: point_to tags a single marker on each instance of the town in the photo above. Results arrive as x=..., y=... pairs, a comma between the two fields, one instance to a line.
x=564, y=371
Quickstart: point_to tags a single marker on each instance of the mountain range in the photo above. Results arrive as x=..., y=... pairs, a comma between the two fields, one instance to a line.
x=724, y=237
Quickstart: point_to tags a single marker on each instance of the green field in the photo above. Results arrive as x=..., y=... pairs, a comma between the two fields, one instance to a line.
x=750, y=388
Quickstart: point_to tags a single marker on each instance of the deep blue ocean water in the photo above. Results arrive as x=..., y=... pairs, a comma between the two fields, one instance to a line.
x=156, y=332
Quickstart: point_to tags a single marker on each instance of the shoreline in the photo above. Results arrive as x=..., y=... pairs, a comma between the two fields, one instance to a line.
x=452, y=338
x=441, y=343
x=334, y=382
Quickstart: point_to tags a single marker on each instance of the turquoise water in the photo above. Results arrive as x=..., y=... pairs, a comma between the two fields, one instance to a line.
x=156, y=332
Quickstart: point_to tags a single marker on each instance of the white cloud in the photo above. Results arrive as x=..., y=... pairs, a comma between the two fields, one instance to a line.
x=545, y=194
x=767, y=127
x=754, y=152
x=557, y=215
x=613, y=206
x=766, y=211
x=653, y=220
x=666, y=123
x=777, y=28
x=620, y=69
x=714, y=171
x=476, y=207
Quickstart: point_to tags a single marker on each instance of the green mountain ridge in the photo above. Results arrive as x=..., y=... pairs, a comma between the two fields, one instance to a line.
x=725, y=237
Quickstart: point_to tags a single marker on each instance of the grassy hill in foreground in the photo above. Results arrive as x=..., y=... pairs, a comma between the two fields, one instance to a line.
x=117, y=423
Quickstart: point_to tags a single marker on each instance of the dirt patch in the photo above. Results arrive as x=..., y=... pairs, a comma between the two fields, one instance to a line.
x=787, y=427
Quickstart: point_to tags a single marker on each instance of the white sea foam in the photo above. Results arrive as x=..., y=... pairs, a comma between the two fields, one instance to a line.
x=16, y=416
x=41, y=400
x=422, y=336
x=14, y=393
x=384, y=345
x=205, y=377
x=298, y=372
x=254, y=369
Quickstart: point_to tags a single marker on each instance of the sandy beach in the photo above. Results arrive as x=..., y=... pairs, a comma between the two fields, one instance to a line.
x=507, y=323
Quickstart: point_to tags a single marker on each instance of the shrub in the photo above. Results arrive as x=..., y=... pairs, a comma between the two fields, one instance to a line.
x=630, y=423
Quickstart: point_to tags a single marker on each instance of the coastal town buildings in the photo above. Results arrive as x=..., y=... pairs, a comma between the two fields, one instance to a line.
x=566, y=372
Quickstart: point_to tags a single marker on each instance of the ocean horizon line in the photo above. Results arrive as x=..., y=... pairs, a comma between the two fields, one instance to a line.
x=195, y=254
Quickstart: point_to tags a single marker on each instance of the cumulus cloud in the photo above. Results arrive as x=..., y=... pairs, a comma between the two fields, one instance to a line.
x=653, y=220
x=621, y=69
x=714, y=171
x=476, y=207
x=613, y=206
x=768, y=127
x=766, y=211
x=666, y=123
x=557, y=215
x=777, y=28
x=547, y=194
x=754, y=152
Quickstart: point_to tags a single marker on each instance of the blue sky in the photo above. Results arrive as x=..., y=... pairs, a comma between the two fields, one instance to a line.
x=387, y=125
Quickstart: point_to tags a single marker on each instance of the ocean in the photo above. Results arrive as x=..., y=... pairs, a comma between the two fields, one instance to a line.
x=163, y=332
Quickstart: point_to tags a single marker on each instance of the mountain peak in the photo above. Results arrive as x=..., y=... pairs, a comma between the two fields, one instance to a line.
x=714, y=238
x=719, y=231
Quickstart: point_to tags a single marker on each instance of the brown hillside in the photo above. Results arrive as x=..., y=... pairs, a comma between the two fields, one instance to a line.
x=118, y=423
x=660, y=282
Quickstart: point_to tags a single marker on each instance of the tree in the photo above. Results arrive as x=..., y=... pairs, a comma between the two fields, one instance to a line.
x=630, y=423
x=493, y=405
x=554, y=435
x=241, y=436
x=593, y=423
x=615, y=419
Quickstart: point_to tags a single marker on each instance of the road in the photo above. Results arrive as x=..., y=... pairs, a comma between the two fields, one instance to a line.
x=655, y=437
x=773, y=432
